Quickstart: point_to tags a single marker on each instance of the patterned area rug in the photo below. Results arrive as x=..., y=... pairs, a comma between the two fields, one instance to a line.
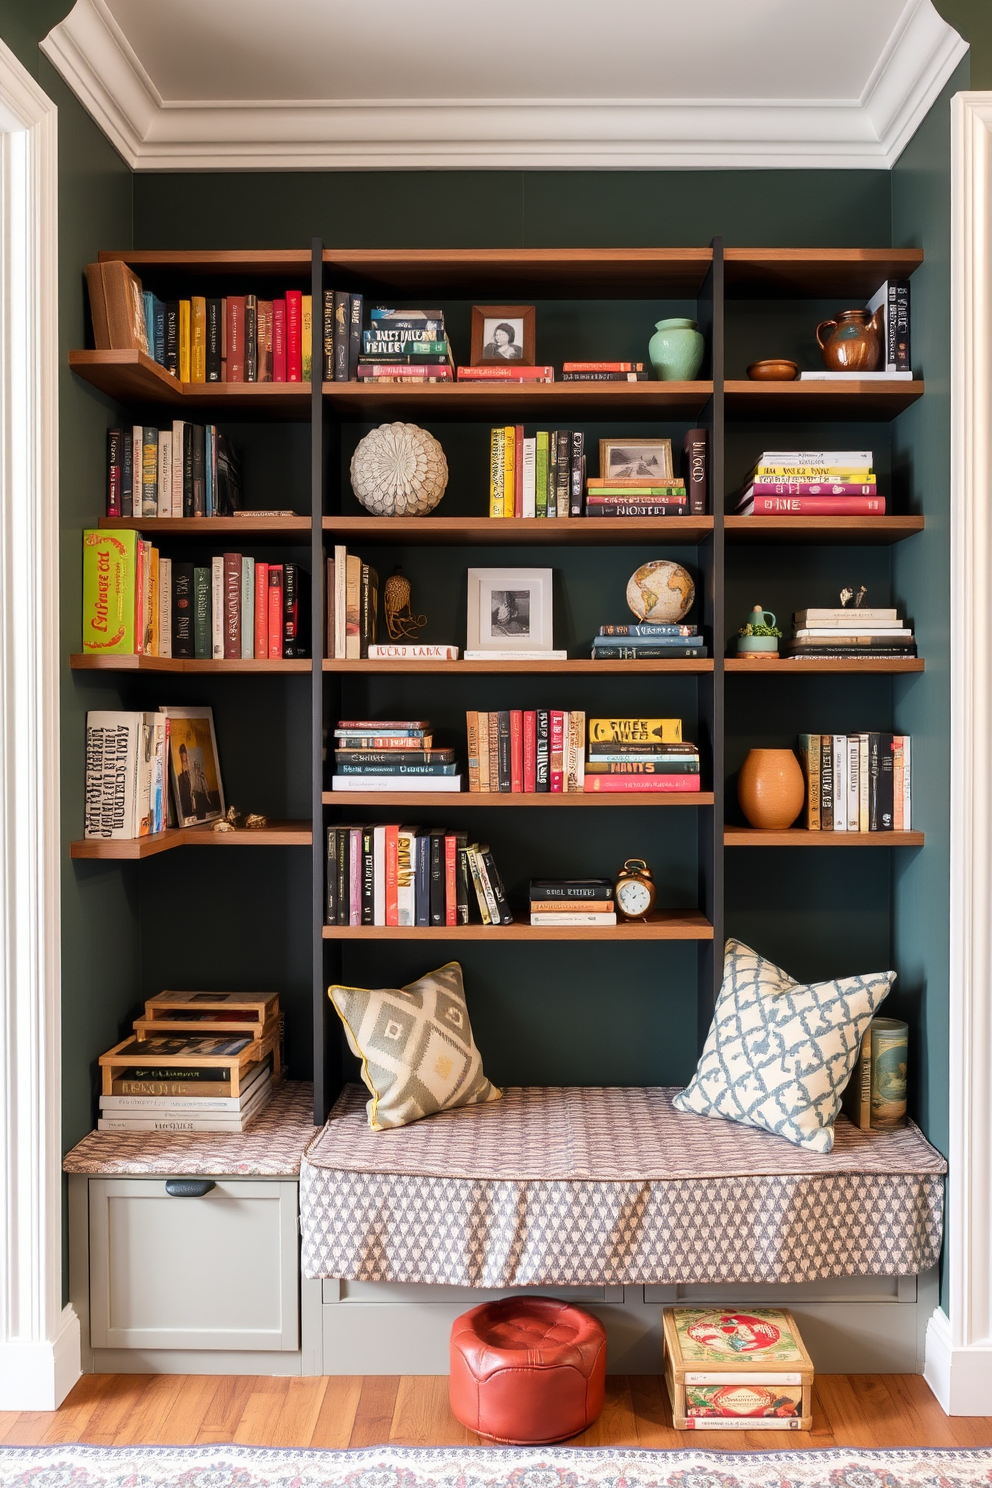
x=70, y=1466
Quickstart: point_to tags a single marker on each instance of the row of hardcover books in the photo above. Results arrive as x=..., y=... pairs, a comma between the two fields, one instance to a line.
x=407, y=875
x=190, y=470
x=137, y=603
x=857, y=782
x=544, y=475
x=533, y=751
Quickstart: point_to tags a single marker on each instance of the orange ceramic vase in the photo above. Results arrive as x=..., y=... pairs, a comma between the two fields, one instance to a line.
x=771, y=788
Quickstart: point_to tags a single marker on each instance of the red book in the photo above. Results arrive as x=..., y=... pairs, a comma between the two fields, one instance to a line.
x=513, y=372
x=392, y=874
x=556, y=761
x=235, y=338
x=450, y=880
x=602, y=366
x=815, y=506
x=530, y=753
x=275, y=610
x=518, y=471
x=516, y=750
x=232, y=606
x=261, y=611
x=294, y=335
x=809, y=488
x=685, y=784
x=278, y=340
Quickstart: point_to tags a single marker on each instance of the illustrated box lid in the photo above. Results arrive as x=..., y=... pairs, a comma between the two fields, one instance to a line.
x=738, y=1341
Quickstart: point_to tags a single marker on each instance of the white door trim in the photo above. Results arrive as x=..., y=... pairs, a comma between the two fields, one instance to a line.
x=39, y=1339
x=959, y=1342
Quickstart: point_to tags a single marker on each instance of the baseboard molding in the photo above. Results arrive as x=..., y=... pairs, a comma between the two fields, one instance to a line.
x=960, y=1378
x=38, y=1376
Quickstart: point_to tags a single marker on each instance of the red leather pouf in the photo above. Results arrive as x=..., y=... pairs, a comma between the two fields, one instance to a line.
x=527, y=1370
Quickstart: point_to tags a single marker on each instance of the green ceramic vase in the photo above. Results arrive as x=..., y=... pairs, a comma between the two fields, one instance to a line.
x=675, y=351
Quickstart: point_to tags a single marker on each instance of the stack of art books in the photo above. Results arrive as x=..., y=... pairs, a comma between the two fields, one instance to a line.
x=391, y=754
x=640, y=754
x=403, y=346
x=402, y=875
x=811, y=483
x=647, y=643
x=848, y=633
x=572, y=901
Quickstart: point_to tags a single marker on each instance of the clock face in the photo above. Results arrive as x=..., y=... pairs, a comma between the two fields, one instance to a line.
x=633, y=897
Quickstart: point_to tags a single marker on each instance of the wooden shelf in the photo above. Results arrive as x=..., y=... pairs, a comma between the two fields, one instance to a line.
x=600, y=401
x=276, y=834
x=663, y=924
x=133, y=377
x=442, y=799
x=815, y=273
x=292, y=262
x=784, y=667
x=492, y=273
x=543, y=668
x=476, y=531
x=800, y=837
x=828, y=531
x=251, y=529
x=811, y=401
x=89, y=662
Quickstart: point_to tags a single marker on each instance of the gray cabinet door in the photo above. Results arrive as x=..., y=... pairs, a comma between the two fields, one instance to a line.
x=217, y=1272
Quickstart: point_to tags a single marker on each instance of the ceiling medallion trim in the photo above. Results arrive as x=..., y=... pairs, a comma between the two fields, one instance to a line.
x=94, y=58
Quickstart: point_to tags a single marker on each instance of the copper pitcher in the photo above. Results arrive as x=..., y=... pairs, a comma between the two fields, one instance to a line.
x=852, y=342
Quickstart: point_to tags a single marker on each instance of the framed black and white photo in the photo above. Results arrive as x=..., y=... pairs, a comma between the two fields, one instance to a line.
x=502, y=335
x=509, y=610
x=649, y=460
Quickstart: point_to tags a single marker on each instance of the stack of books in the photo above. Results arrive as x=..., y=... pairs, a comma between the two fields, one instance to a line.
x=189, y=470
x=572, y=901
x=848, y=634
x=812, y=483
x=541, y=476
x=237, y=338
x=857, y=782
x=395, y=754
x=610, y=497
x=405, y=346
x=137, y=603
x=647, y=643
x=526, y=751
x=170, y=1077
x=400, y=875
x=640, y=754
x=603, y=372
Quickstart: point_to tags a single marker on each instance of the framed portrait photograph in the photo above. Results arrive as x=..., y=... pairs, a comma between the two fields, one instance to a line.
x=194, y=768
x=509, y=609
x=503, y=334
x=649, y=460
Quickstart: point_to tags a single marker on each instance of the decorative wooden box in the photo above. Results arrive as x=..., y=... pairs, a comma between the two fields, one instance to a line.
x=256, y=1013
x=746, y=1370
x=163, y=1053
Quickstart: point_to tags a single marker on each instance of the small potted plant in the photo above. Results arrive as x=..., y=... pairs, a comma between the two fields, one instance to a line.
x=760, y=636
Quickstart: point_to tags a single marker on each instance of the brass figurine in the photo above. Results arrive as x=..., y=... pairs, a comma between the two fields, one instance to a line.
x=401, y=623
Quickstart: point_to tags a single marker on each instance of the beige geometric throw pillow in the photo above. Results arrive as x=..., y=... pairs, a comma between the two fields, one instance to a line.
x=416, y=1047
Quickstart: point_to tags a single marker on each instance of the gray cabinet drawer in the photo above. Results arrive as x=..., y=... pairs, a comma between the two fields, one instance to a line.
x=216, y=1272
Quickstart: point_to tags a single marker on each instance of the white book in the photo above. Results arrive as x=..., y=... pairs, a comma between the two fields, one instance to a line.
x=223, y=1122
x=378, y=875
x=840, y=782
x=413, y=653
x=225, y=1105
x=554, y=917
x=864, y=785
x=165, y=606
x=529, y=487
x=355, y=876
x=406, y=876
x=450, y=784
x=856, y=376
x=247, y=609
x=845, y=459
x=340, y=602
x=165, y=473
x=217, y=607
x=113, y=744
x=515, y=655
x=894, y=632
x=845, y=617
x=907, y=785
x=160, y=784
x=853, y=780
x=178, y=458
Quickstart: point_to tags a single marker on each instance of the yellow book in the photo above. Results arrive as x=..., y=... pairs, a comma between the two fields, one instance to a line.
x=152, y=608
x=821, y=474
x=509, y=474
x=497, y=442
x=184, y=341
x=198, y=339
x=635, y=731
x=306, y=336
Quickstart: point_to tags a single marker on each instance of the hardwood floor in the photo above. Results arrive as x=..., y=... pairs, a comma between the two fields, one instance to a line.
x=867, y=1410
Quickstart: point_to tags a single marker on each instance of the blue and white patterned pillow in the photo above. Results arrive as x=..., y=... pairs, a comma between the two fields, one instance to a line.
x=779, y=1054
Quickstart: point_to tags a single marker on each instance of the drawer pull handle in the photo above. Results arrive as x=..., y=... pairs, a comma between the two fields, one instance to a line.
x=188, y=1188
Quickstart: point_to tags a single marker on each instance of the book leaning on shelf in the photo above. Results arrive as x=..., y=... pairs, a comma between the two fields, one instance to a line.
x=857, y=782
x=406, y=875
x=190, y=470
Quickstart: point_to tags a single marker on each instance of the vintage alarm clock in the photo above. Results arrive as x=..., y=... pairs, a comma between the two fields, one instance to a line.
x=635, y=890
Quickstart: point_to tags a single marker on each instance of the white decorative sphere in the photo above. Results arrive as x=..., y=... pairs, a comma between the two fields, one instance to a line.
x=399, y=470
x=660, y=593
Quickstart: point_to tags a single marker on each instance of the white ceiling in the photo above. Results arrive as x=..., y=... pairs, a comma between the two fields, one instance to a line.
x=540, y=83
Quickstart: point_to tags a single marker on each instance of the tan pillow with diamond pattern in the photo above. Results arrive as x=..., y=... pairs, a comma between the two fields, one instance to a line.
x=416, y=1047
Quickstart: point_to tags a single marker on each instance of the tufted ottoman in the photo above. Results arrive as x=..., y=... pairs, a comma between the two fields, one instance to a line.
x=527, y=1370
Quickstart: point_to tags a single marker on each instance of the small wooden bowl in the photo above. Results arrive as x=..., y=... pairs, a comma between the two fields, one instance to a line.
x=774, y=370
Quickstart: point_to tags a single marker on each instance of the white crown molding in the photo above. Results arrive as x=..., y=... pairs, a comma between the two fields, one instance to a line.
x=39, y=1339
x=94, y=58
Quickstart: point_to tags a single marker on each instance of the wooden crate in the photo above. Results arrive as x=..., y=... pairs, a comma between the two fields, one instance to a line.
x=256, y=1013
x=743, y=1369
x=144, y=1053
